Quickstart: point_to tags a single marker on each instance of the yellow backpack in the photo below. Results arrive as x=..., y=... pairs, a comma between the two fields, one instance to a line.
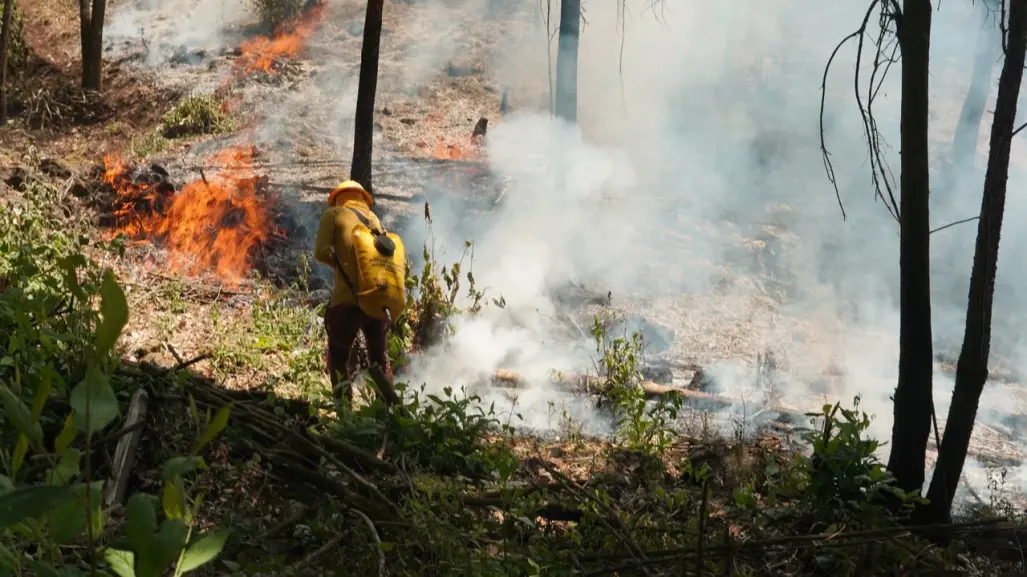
x=380, y=287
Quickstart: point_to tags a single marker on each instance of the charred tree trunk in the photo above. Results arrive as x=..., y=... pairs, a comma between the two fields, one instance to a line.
x=913, y=395
x=972, y=367
x=91, y=17
x=964, y=142
x=95, y=80
x=5, y=38
x=567, y=61
x=363, y=124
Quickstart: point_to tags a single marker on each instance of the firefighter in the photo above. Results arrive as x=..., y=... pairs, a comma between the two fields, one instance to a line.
x=344, y=317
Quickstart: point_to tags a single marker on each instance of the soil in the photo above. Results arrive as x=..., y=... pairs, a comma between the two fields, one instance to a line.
x=85, y=127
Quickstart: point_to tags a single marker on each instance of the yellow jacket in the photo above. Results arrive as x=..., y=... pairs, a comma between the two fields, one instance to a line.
x=334, y=237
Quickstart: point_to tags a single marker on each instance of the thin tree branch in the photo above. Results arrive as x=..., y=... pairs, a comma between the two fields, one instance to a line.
x=828, y=165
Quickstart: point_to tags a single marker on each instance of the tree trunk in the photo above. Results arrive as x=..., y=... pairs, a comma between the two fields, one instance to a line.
x=567, y=61
x=913, y=395
x=94, y=79
x=91, y=15
x=363, y=124
x=972, y=367
x=5, y=38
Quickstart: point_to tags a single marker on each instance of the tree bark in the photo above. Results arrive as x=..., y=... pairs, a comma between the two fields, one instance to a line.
x=972, y=367
x=567, y=61
x=363, y=125
x=91, y=15
x=5, y=38
x=94, y=80
x=913, y=396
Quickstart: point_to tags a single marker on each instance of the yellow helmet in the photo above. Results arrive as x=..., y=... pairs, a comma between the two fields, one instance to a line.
x=350, y=185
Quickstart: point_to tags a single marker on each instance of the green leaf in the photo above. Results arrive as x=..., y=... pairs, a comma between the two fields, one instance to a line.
x=216, y=426
x=95, y=395
x=140, y=520
x=66, y=436
x=42, y=394
x=68, y=267
x=19, y=415
x=31, y=502
x=69, y=520
x=21, y=448
x=114, y=309
x=203, y=551
x=164, y=548
x=121, y=562
x=66, y=469
x=179, y=466
x=151, y=549
x=42, y=570
x=8, y=560
x=173, y=500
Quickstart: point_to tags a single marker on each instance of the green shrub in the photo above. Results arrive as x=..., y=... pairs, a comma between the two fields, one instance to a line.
x=203, y=114
x=60, y=320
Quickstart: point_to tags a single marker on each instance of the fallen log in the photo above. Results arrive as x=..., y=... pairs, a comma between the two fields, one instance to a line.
x=590, y=384
x=125, y=453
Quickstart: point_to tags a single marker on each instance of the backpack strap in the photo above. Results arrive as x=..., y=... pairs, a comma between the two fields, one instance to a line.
x=367, y=222
x=382, y=242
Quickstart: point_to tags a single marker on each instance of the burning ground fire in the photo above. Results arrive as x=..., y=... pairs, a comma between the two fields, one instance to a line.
x=212, y=224
x=446, y=150
x=260, y=54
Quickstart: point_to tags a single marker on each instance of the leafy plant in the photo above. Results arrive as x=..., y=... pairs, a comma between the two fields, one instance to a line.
x=431, y=301
x=443, y=433
x=843, y=480
x=51, y=514
x=149, y=144
x=642, y=426
x=151, y=548
x=198, y=114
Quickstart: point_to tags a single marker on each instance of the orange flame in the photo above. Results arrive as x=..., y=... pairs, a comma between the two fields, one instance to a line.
x=212, y=224
x=450, y=151
x=261, y=53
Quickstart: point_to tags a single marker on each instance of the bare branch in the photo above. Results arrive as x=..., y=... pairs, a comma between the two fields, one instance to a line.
x=877, y=163
x=828, y=165
x=951, y=224
x=886, y=53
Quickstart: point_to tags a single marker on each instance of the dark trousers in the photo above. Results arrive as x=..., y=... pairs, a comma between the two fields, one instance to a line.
x=342, y=322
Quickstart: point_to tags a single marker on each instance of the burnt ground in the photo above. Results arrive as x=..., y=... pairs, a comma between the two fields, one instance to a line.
x=301, y=119
x=57, y=118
